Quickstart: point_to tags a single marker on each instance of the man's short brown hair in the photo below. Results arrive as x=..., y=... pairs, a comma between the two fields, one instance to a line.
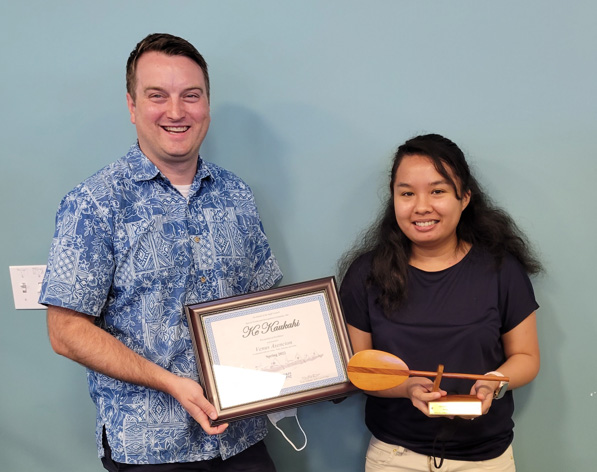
x=166, y=44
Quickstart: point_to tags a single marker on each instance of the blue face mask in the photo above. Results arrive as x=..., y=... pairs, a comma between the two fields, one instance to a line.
x=278, y=415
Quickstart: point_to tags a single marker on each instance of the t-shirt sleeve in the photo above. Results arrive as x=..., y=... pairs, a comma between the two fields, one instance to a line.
x=354, y=295
x=516, y=294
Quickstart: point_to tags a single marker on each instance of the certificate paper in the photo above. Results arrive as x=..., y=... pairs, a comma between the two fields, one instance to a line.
x=272, y=350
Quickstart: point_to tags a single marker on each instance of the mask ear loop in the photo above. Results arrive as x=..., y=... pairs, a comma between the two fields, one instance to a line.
x=286, y=437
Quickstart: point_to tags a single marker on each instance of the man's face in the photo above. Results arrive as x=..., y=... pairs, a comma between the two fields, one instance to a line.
x=170, y=109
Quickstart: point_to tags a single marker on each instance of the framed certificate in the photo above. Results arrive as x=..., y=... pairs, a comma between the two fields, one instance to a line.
x=271, y=350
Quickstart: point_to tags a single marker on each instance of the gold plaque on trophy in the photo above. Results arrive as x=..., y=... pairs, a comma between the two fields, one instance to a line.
x=456, y=405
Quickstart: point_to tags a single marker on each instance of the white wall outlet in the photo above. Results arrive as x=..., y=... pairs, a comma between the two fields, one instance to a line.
x=26, y=286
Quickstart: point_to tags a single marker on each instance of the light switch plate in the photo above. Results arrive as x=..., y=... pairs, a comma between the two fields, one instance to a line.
x=26, y=286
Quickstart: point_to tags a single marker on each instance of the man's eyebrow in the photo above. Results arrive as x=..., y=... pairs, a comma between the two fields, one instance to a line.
x=197, y=87
x=153, y=89
x=160, y=89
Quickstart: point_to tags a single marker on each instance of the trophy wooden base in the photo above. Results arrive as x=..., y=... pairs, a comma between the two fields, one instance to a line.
x=456, y=405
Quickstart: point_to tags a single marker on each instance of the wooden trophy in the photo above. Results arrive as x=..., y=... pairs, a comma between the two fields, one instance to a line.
x=378, y=370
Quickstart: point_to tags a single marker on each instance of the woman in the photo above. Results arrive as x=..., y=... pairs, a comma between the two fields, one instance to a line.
x=442, y=279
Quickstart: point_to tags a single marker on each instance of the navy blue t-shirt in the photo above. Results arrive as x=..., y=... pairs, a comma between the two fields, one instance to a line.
x=454, y=317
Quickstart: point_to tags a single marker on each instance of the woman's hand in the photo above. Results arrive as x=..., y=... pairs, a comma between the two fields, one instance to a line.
x=420, y=392
x=484, y=391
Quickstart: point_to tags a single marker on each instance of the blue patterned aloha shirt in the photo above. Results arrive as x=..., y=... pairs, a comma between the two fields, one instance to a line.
x=132, y=251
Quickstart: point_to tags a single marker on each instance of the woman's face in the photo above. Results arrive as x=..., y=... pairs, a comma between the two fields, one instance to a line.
x=426, y=206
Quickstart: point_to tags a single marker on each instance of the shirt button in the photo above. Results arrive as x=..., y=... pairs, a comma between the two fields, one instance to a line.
x=203, y=279
x=196, y=239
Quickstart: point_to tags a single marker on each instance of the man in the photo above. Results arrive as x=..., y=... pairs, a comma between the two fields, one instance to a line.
x=156, y=230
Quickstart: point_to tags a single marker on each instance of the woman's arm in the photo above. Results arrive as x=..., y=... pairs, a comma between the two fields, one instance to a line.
x=521, y=347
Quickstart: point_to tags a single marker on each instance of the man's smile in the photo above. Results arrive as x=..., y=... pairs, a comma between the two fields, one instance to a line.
x=176, y=129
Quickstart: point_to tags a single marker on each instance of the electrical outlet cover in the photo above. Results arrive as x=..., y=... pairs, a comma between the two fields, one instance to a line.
x=26, y=286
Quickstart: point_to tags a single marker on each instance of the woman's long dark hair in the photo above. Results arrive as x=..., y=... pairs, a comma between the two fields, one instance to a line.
x=481, y=224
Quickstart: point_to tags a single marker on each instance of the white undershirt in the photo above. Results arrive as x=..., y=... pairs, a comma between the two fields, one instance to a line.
x=184, y=190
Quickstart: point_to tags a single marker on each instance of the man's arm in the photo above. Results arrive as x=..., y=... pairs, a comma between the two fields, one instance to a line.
x=74, y=335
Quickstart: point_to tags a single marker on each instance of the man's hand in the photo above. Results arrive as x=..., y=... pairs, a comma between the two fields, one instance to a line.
x=190, y=395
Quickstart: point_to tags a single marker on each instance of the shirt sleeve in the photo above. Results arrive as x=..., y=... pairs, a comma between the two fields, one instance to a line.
x=266, y=272
x=81, y=263
x=354, y=295
x=516, y=294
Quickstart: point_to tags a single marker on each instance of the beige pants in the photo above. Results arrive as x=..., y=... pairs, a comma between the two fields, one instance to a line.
x=383, y=457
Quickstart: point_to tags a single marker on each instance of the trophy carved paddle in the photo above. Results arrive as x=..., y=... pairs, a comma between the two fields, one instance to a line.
x=378, y=370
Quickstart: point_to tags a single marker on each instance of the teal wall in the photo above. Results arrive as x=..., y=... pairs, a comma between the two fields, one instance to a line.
x=309, y=100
